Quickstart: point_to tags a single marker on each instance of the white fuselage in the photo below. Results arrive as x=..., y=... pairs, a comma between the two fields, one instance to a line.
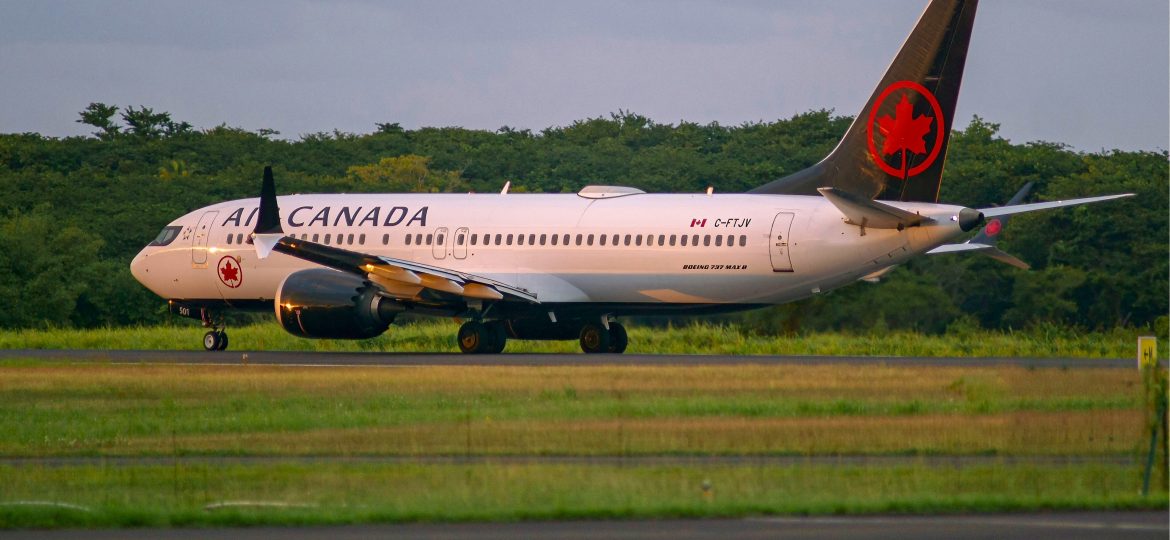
x=671, y=249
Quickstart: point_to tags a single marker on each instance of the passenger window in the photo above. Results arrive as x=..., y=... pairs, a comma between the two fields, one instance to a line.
x=520, y=239
x=474, y=238
x=661, y=239
x=706, y=240
x=718, y=240
x=385, y=239
x=441, y=240
x=498, y=238
x=589, y=240
x=578, y=239
x=459, y=239
x=627, y=239
x=509, y=239
x=565, y=239
x=684, y=240
x=543, y=237
x=601, y=239
x=615, y=239
x=695, y=240
x=730, y=240
x=408, y=239
x=230, y=238
x=554, y=239
x=532, y=239
x=638, y=240
x=327, y=237
x=315, y=237
x=672, y=238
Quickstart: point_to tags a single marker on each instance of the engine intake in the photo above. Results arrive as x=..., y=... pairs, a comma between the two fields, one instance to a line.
x=327, y=304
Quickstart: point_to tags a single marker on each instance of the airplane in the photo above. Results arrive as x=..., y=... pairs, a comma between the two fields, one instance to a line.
x=566, y=266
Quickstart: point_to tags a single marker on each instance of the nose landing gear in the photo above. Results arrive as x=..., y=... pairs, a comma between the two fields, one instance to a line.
x=215, y=340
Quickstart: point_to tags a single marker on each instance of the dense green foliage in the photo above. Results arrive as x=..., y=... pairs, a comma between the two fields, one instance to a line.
x=76, y=210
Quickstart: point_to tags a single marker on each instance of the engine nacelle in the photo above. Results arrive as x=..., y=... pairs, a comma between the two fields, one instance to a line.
x=327, y=304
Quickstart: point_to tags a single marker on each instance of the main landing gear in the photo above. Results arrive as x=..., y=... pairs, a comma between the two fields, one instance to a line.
x=482, y=338
x=596, y=339
x=476, y=337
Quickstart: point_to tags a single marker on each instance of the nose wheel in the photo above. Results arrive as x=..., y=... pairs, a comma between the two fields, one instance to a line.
x=215, y=340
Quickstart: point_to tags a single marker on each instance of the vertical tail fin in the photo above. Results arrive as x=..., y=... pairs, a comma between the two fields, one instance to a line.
x=896, y=147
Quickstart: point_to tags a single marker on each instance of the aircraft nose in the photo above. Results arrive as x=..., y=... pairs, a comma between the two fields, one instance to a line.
x=138, y=267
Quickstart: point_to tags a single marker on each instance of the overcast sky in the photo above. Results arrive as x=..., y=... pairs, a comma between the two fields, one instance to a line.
x=1089, y=73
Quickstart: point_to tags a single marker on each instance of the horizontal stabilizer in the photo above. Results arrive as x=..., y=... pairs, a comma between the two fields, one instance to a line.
x=982, y=249
x=1021, y=208
x=864, y=212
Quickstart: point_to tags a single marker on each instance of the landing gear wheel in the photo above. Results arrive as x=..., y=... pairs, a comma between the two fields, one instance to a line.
x=594, y=338
x=499, y=336
x=618, y=339
x=211, y=341
x=223, y=341
x=474, y=338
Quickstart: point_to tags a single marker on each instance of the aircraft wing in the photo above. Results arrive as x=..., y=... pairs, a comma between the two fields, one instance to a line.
x=399, y=278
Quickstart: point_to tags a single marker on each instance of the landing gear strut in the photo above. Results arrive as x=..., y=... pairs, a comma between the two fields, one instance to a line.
x=216, y=339
x=482, y=338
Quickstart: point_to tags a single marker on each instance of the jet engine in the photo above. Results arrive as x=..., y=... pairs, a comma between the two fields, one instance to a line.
x=327, y=304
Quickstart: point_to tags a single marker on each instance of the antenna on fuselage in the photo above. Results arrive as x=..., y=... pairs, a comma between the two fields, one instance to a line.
x=507, y=185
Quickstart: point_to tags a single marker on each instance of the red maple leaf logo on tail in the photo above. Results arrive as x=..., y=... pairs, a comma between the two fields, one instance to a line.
x=904, y=132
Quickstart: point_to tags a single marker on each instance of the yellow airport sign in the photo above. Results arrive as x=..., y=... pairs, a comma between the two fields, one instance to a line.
x=1147, y=351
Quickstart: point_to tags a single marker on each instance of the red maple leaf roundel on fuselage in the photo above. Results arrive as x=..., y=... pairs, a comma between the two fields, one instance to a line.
x=230, y=272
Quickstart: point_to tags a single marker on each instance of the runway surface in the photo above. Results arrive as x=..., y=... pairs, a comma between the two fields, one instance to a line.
x=302, y=358
x=624, y=461
x=1064, y=525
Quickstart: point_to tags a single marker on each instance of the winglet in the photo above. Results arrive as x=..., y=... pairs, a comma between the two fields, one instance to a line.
x=268, y=231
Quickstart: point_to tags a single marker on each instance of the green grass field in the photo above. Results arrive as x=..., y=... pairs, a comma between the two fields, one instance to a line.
x=297, y=494
x=1048, y=438
x=145, y=444
x=439, y=336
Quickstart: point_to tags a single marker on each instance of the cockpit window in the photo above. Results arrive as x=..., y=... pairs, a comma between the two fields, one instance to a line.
x=167, y=236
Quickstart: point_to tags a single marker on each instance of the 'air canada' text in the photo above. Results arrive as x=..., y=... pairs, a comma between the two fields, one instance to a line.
x=341, y=216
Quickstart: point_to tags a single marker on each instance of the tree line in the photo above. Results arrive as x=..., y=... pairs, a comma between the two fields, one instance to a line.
x=77, y=209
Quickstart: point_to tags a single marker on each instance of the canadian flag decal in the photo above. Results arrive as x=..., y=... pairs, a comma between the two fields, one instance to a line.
x=699, y=222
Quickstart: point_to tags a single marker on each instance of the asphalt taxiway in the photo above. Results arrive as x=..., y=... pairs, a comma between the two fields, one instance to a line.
x=304, y=358
x=1064, y=525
